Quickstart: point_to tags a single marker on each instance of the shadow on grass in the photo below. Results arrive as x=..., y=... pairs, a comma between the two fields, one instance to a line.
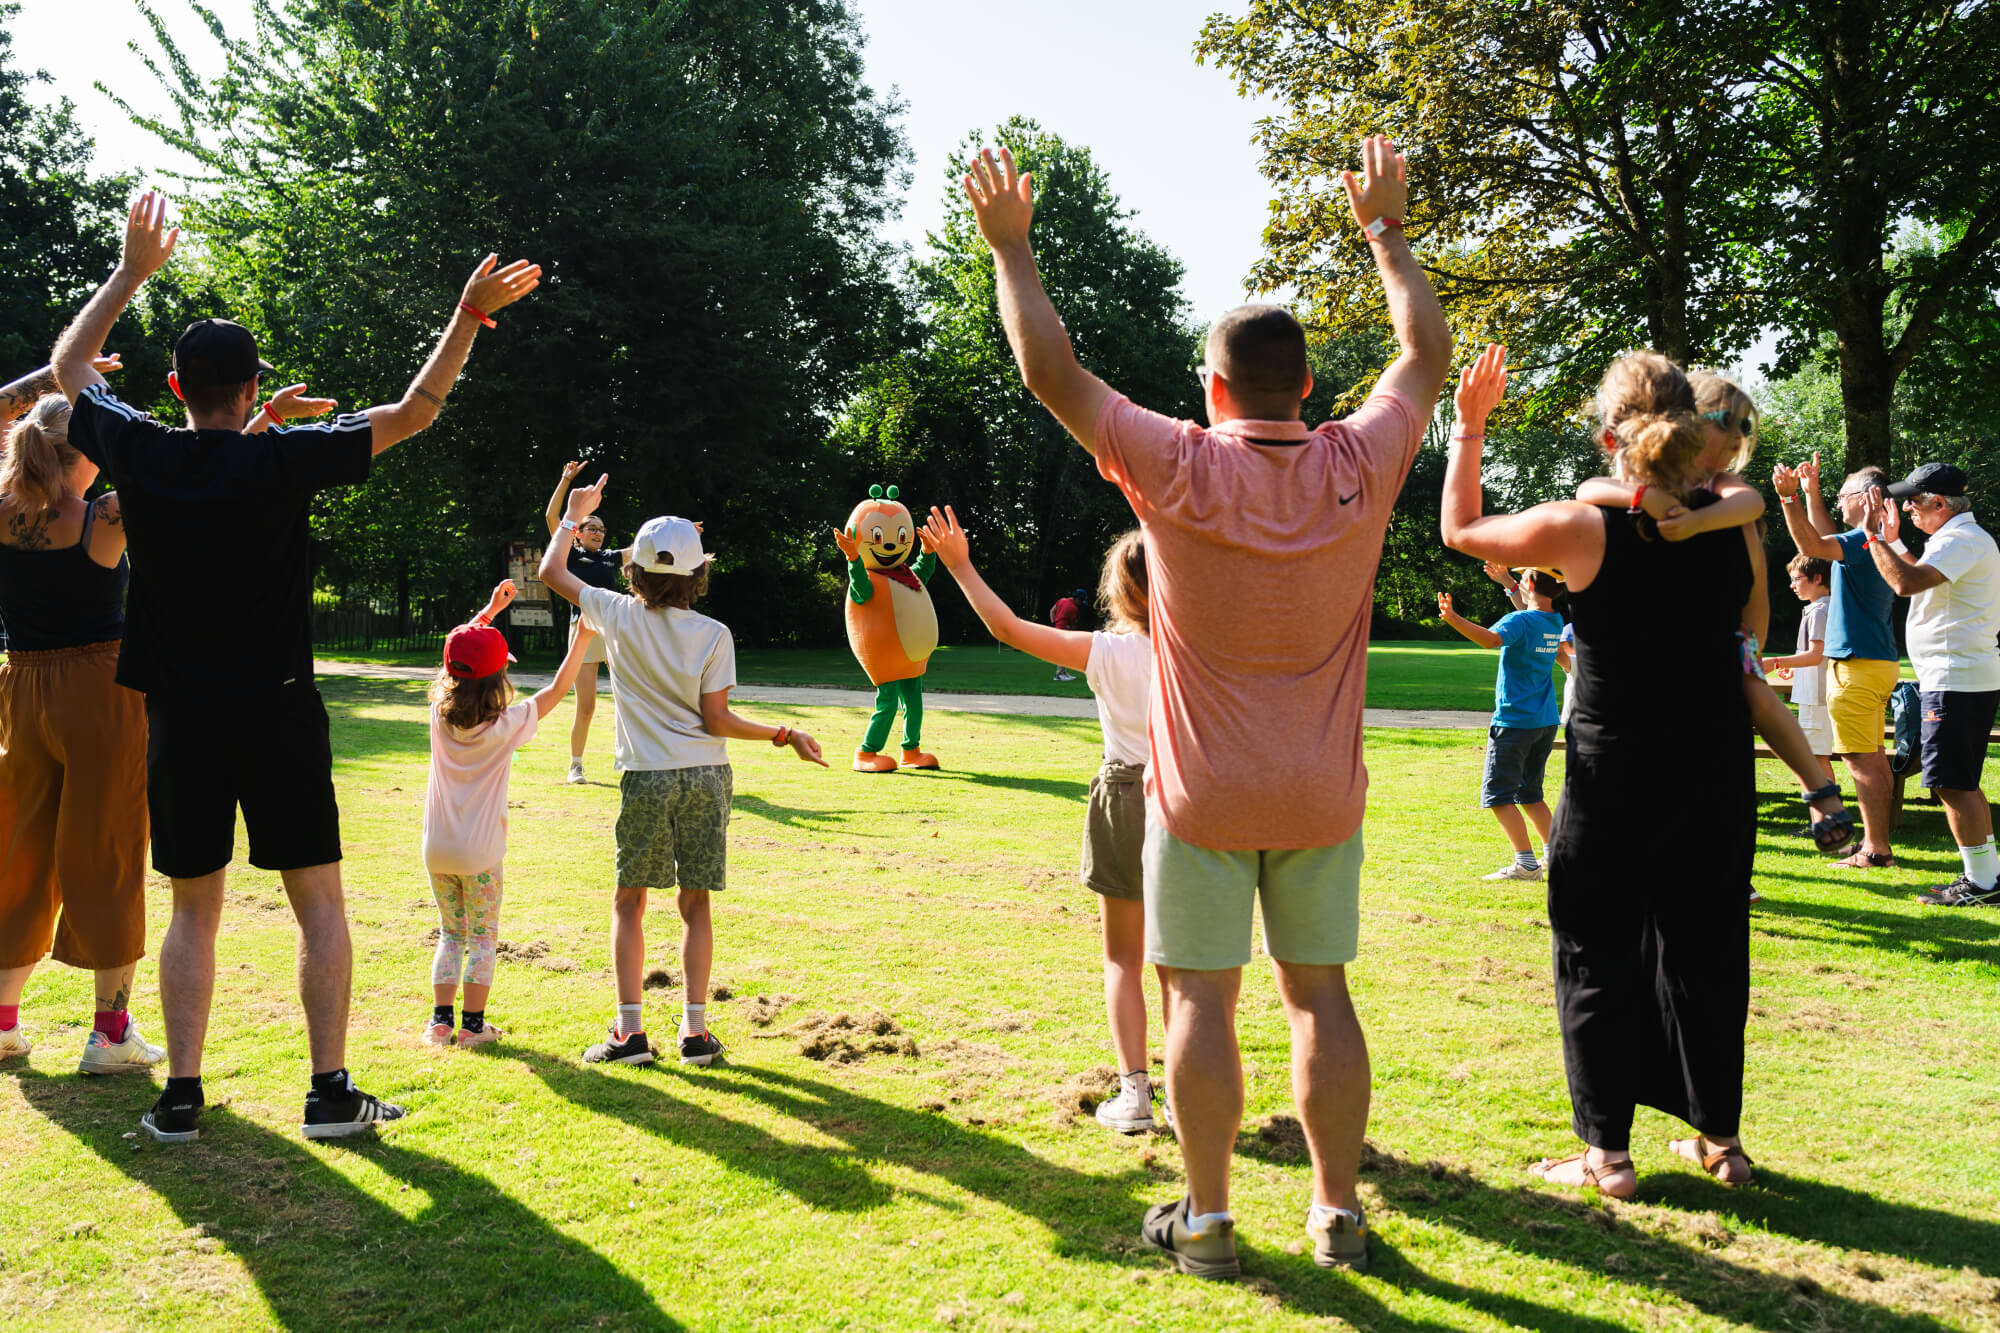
x=1064, y=789
x=1567, y=1230
x=1945, y=934
x=814, y=820
x=326, y=1254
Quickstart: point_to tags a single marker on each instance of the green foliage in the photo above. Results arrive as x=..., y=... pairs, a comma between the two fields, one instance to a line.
x=948, y=415
x=703, y=185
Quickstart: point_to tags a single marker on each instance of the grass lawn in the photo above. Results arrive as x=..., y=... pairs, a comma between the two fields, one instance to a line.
x=907, y=980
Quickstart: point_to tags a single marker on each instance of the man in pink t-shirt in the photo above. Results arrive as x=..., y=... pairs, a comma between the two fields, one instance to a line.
x=1262, y=538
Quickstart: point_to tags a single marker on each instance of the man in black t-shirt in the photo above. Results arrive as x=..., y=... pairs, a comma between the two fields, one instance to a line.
x=232, y=715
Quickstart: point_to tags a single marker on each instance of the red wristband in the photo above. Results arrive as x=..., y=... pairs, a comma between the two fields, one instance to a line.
x=783, y=738
x=272, y=413
x=1638, y=500
x=478, y=314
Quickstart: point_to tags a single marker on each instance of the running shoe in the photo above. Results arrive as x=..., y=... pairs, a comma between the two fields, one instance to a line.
x=620, y=1048
x=1514, y=870
x=342, y=1112
x=436, y=1033
x=699, y=1048
x=468, y=1038
x=575, y=772
x=1961, y=892
x=1339, y=1240
x=174, y=1118
x=1130, y=1112
x=1209, y=1253
x=134, y=1055
x=14, y=1042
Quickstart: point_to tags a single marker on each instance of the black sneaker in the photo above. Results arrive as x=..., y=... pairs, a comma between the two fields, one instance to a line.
x=174, y=1118
x=700, y=1048
x=336, y=1113
x=1961, y=892
x=1209, y=1253
x=617, y=1050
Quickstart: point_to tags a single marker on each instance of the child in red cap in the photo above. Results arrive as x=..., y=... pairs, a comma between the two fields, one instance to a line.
x=475, y=729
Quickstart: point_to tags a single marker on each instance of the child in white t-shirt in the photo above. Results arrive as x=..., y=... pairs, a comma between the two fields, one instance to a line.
x=1806, y=667
x=673, y=668
x=475, y=729
x=1118, y=666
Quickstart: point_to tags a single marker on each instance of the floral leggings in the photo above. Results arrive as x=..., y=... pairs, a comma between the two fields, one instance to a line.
x=468, y=924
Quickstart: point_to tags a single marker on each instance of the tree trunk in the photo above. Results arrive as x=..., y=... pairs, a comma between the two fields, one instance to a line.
x=1670, y=287
x=1858, y=295
x=1867, y=388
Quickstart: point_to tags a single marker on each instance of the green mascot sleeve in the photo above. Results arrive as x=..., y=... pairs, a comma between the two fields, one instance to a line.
x=924, y=566
x=858, y=585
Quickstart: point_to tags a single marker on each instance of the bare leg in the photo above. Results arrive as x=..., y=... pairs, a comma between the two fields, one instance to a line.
x=1873, y=786
x=1515, y=827
x=13, y=981
x=187, y=970
x=475, y=997
x=1542, y=817
x=446, y=992
x=628, y=943
x=586, y=708
x=697, y=942
x=1780, y=730
x=1330, y=1076
x=1968, y=814
x=1124, y=980
x=326, y=960
x=1205, y=1078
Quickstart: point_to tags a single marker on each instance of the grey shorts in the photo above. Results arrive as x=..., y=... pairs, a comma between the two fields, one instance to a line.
x=673, y=827
x=1516, y=759
x=1199, y=901
x=1114, y=831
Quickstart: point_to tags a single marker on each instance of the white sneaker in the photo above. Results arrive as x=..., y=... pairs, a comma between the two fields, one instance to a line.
x=1130, y=1112
x=575, y=771
x=1514, y=870
x=14, y=1042
x=437, y=1034
x=134, y=1055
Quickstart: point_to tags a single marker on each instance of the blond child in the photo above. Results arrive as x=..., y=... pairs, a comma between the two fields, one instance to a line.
x=1117, y=663
x=475, y=728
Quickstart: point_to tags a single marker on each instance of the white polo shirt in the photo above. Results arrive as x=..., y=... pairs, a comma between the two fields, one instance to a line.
x=1954, y=629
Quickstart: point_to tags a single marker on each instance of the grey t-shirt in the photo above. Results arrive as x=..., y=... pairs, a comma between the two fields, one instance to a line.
x=662, y=662
x=1809, y=683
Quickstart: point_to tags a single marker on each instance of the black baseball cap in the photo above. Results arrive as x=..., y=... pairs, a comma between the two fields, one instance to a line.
x=216, y=353
x=1930, y=479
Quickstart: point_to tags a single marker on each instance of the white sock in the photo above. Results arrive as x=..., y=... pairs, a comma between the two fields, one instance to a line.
x=1199, y=1222
x=1322, y=1214
x=629, y=1021
x=694, y=1019
x=1982, y=863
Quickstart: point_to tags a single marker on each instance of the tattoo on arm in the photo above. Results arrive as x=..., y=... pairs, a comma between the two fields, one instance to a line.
x=19, y=396
x=29, y=532
x=108, y=511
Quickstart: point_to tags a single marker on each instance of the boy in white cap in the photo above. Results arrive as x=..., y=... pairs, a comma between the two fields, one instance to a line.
x=672, y=669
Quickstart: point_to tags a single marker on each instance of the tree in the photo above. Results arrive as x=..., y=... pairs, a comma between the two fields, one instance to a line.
x=948, y=418
x=703, y=184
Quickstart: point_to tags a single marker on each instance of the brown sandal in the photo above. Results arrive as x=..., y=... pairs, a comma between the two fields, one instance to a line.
x=1716, y=1162
x=1860, y=860
x=1541, y=1169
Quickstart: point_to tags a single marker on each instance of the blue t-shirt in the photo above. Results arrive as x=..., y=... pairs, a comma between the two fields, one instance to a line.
x=1524, y=691
x=1858, y=624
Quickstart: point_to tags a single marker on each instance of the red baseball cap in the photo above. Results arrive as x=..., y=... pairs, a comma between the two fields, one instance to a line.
x=473, y=652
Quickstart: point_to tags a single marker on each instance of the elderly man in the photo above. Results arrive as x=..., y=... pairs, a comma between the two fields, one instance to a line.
x=1954, y=592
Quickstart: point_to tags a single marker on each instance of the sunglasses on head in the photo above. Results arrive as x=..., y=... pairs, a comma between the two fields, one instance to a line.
x=1746, y=425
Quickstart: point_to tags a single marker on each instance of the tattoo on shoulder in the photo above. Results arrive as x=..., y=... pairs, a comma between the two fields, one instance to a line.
x=108, y=510
x=29, y=532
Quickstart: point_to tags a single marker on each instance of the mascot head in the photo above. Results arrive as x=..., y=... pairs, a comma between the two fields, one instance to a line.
x=887, y=533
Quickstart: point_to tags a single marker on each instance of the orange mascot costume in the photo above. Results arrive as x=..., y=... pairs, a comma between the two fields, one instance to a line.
x=891, y=624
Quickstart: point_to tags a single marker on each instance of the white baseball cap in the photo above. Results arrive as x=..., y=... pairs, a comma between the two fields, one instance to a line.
x=668, y=545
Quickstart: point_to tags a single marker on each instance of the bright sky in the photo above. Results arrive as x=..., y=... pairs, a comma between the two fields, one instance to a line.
x=1114, y=75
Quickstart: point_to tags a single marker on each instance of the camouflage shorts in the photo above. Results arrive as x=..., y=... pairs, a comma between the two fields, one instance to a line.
x=673, y=827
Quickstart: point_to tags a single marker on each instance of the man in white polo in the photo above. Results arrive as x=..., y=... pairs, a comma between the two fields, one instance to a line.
x=1954, y=640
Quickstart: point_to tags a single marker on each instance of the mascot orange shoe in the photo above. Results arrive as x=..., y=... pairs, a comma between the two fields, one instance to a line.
x=891, y=625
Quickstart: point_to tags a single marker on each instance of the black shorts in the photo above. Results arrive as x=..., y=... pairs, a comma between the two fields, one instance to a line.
x=273, y=757
x=1956, y=726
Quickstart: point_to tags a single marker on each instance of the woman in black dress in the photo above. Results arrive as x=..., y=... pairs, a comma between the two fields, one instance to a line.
x=1652, y=953
x=589, y=561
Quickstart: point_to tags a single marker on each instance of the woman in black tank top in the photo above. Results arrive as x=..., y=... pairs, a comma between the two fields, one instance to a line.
x=1652, y=954
x=591, y=562
x=72, y=743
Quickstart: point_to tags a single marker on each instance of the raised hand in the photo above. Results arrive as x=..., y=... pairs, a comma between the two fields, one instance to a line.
x=806, y=748
x=942, y=536
x=570, y=469
x=490, y=289
x=1382, y=189
x=583, y=501
x=503, y=593
x=1444, y=604
x=289, y=403
x=848, y=546
x=107, y=364
x=1785, y=481
x=1003, y=201
x=1808, y=472
x=1481, y=386
x=147, y=243
x=1499, y=573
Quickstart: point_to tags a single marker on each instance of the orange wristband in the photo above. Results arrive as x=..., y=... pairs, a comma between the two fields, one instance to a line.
x=478, y=314
x=783, y=738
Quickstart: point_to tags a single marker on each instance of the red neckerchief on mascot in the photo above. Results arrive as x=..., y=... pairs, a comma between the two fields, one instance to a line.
x=902, y=575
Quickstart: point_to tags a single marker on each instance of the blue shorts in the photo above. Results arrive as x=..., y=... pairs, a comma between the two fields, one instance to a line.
x=1515, y=759
x=1956, y=726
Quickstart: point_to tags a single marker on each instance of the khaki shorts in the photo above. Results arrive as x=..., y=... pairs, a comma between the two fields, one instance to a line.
x=1114, y=831
x=1857, y=690
x=593, y=653
x=1199, y=901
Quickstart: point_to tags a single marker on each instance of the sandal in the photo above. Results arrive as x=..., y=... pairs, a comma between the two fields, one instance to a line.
x=1591, y=1174
x=1860, y=860
x=1716, y=1162
x=1837, y=829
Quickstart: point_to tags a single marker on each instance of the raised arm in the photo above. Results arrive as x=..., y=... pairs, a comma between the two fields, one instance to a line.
x=1564, y=535
x=1814, y=499
x=1905, y=577
x=1510, y=585
x=1380, y=195
x=489, y=289
x=1003, y=203
x=546, y=698
x=554, y=571
x=1472, y=630
x=553, y=514
x=943, y=537
x=148, y=243
x=1807, y=537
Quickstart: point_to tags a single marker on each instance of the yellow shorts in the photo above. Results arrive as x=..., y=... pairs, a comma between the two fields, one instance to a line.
x=1857, y=691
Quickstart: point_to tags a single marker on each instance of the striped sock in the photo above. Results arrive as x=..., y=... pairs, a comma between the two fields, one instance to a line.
x=1526, y=860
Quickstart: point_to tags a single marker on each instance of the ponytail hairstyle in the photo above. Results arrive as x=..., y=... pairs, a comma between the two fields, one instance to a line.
x=39, y=455
x=1661, y=450
x=1643, y=384
x=1723, y=401
x=1122, y=589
